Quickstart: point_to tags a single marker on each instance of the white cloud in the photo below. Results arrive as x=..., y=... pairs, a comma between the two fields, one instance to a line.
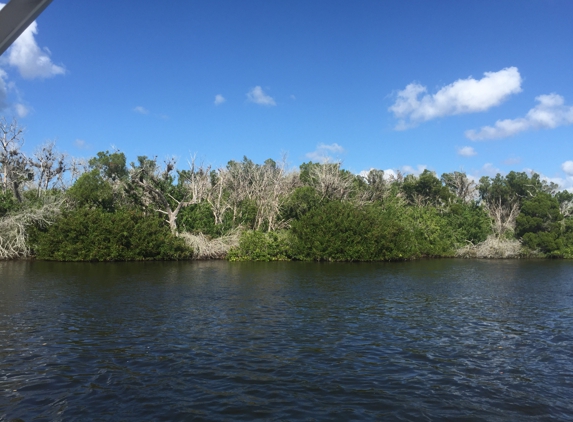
x=81, y=144
x=219, y=99
x=467, y=152
x=21, y=110
x=258, y=96
x=489, y=169
x=30, y=60
x=567, y=167
x=389, y=174
x=325, y=153
x=415, y=171
x=462, y=96
x=3, y=90
x=141, y=110
x=548, y=114
x=565, y=183
x=512, y=160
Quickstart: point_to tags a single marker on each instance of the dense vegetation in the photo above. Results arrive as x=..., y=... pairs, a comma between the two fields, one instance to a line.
x=105, y=209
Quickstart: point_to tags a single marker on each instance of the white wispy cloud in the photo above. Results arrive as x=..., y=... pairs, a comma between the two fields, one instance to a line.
x=415, y=171
x=489, y=169
x=31, y=60
x=219, y=99
x=258, y=96
x=141, y=110
x=467, y=152
x=512, y=160
x=3, y=90
x=550, y=113
x=325, y=153
x=21, y=110
x=81, y=144
x=414, y=106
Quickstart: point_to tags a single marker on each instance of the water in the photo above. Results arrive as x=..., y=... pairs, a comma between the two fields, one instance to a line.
x=426, y=340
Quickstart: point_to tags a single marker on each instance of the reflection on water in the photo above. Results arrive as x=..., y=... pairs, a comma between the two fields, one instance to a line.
x=440, y=339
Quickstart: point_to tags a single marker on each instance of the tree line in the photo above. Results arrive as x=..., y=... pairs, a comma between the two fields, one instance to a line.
x=104, y=209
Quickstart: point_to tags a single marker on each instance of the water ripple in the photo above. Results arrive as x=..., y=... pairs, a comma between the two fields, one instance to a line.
x=428, y=340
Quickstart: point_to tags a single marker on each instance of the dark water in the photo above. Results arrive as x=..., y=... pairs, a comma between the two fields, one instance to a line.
x=428, y=340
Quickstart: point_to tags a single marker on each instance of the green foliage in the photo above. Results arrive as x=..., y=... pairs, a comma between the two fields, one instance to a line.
x=340, y=231
x=96, y=235
x=8, y=203
x=469, y=221
x=302, y=200
x=261, y=246
x=198, y=218
x=92, y=190
x=538, y=224
x=426, y=189
x=430, y=233
x=111, y=166
x=513, y=187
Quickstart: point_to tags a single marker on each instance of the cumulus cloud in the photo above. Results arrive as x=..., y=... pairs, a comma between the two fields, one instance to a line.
x=567, y=167
x=548, y=114
x=415, y=171
x=389, y=174
x=141, y=110
x=31, y=60
x=467, y=152
x=258, y=96
x=414, y=105
x=565, y=183
x=219, y=99
x=325, y=153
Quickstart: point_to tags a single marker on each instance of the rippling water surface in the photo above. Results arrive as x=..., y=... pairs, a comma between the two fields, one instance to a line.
x=426, y=340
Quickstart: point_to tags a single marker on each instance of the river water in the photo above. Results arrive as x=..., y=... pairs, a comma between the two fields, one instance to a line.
x=178, y=341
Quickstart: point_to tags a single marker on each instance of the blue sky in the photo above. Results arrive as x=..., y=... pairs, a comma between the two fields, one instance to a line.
x=480, y=86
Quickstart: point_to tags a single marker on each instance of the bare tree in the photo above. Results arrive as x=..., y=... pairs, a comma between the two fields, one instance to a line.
x=272, y=184
x=266, y=185
x=331, y=182
x=77, y=167
x=217, y=196
x=155, y=183
x=14, y=164
x=13, y=228
x=378, y=186
x=197, y=180
x=461, y=186
x=502, y=215
x=49, y=167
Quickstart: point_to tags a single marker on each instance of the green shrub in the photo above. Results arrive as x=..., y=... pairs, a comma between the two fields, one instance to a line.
x=92, y=190
x=340, y=231
x=260, y=246
x=7, y=203
x=302, y=200
x=431, y=234
x=470, y=222
x=96, y=235
x=538, y=224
